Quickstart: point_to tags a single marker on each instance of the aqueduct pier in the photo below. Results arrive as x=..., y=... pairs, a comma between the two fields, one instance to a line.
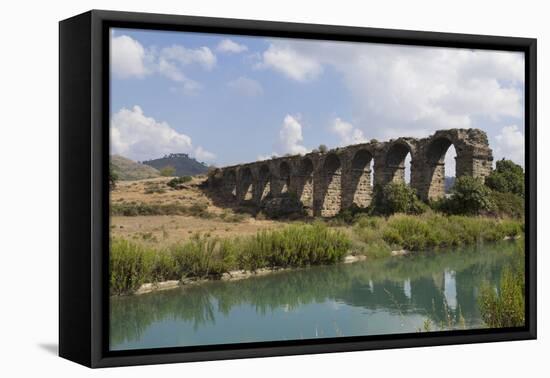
x=327, y=182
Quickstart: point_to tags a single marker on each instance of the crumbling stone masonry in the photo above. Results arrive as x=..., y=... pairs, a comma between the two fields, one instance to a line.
x=327, y=182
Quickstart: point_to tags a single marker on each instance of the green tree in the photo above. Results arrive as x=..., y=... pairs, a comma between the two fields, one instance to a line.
x=168, y=171
x=508, y=177
x=323, y=148
x=113, y=177
x=396, y=197
x=469, y=196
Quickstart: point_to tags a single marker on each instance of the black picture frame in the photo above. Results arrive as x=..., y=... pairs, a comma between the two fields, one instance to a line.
x=84, y=191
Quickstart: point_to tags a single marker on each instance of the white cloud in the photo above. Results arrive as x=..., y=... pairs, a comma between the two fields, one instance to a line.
x=510, y=144
x=406, y=90
x=290, y=137
x=138, y=137
x=184, y=56
x=347, y=133
x=169, y=70
x=127, y=57
x=291, y=63
x=202, y=155
x=229, y=46
x=246, y=86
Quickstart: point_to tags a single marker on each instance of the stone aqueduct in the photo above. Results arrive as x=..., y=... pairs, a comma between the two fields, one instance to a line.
x=336, y=179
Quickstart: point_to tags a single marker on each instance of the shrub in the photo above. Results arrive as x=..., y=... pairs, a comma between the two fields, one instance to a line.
x=132, y=209
x=129, y=266
x=508, y=177
x=295, y=245
x=507, y=307
x=469, y=196
x=508, y=204
x=396, y=197
x=153, y=187
x=177, y=182
x=168, y=171
x=113, y=177
x=431, y=231
x=132, y=264
x=322, y=148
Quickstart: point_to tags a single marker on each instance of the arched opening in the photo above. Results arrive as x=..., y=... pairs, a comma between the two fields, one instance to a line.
x=264, y=182
x=284, y=174
x=398, y=163
x=246, y=187
x=331, y=177
x=441, y=155
x=304, y=182
x=230, y=184
x=361, y=179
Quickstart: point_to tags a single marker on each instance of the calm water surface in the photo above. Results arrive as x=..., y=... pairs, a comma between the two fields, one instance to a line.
x=396, y=295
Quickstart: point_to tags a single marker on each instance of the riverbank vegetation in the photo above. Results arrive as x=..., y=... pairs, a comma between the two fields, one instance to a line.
x=505, y=307
x=378, y=236
x=297, y=245
x=132, y=264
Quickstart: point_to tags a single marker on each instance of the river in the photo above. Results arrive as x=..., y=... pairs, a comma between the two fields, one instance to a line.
x=427, y=291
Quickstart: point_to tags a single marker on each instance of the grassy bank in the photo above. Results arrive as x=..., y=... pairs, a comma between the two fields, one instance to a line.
x=378, y=236
x=296, y=245
x=133, y=264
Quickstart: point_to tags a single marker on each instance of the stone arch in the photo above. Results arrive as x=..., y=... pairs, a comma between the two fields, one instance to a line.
x=303, y=182
x=285, y=174
x=264, y=185
x=435, y=158
x=360, y=184
x=229, y=186
x=245, y=187
x=328, y=193
x=395, y=162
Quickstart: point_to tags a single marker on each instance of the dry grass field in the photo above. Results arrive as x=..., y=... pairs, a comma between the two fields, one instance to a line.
x=164, y=230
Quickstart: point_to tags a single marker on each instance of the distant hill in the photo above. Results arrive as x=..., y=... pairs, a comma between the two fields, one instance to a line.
x=127, y=169
x=184, y=165
x=449, y=182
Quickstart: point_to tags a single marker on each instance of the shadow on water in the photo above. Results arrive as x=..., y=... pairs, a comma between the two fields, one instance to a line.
x=431, y=285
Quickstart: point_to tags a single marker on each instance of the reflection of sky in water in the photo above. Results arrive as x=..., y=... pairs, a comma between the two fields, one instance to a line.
x=365, y=298
x=450, y=288
x=407, y=288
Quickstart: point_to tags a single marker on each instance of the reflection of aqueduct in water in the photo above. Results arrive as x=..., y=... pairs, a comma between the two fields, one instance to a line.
x=337, y=179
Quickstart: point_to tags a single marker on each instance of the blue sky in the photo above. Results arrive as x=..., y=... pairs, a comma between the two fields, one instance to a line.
x=230, y=99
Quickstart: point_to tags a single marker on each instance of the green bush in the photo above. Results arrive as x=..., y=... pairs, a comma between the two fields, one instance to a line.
x=132, y=209
x=177, y=182
x=508, y=177
x=132, y=264
x=113, y=177
x=507, y=307
x=396, y=197
x=430, y=231
x=469, y=196
x=296, y=245
x=508, y=204
x=168, y=171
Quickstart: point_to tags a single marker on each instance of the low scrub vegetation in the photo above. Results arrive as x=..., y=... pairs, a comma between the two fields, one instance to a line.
x=130, y=209
x=177, y=183
x=377, y=236
x=133, y=264
x=505, y=307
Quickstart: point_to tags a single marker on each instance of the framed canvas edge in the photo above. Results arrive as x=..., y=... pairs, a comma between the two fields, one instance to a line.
x=99, y=213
